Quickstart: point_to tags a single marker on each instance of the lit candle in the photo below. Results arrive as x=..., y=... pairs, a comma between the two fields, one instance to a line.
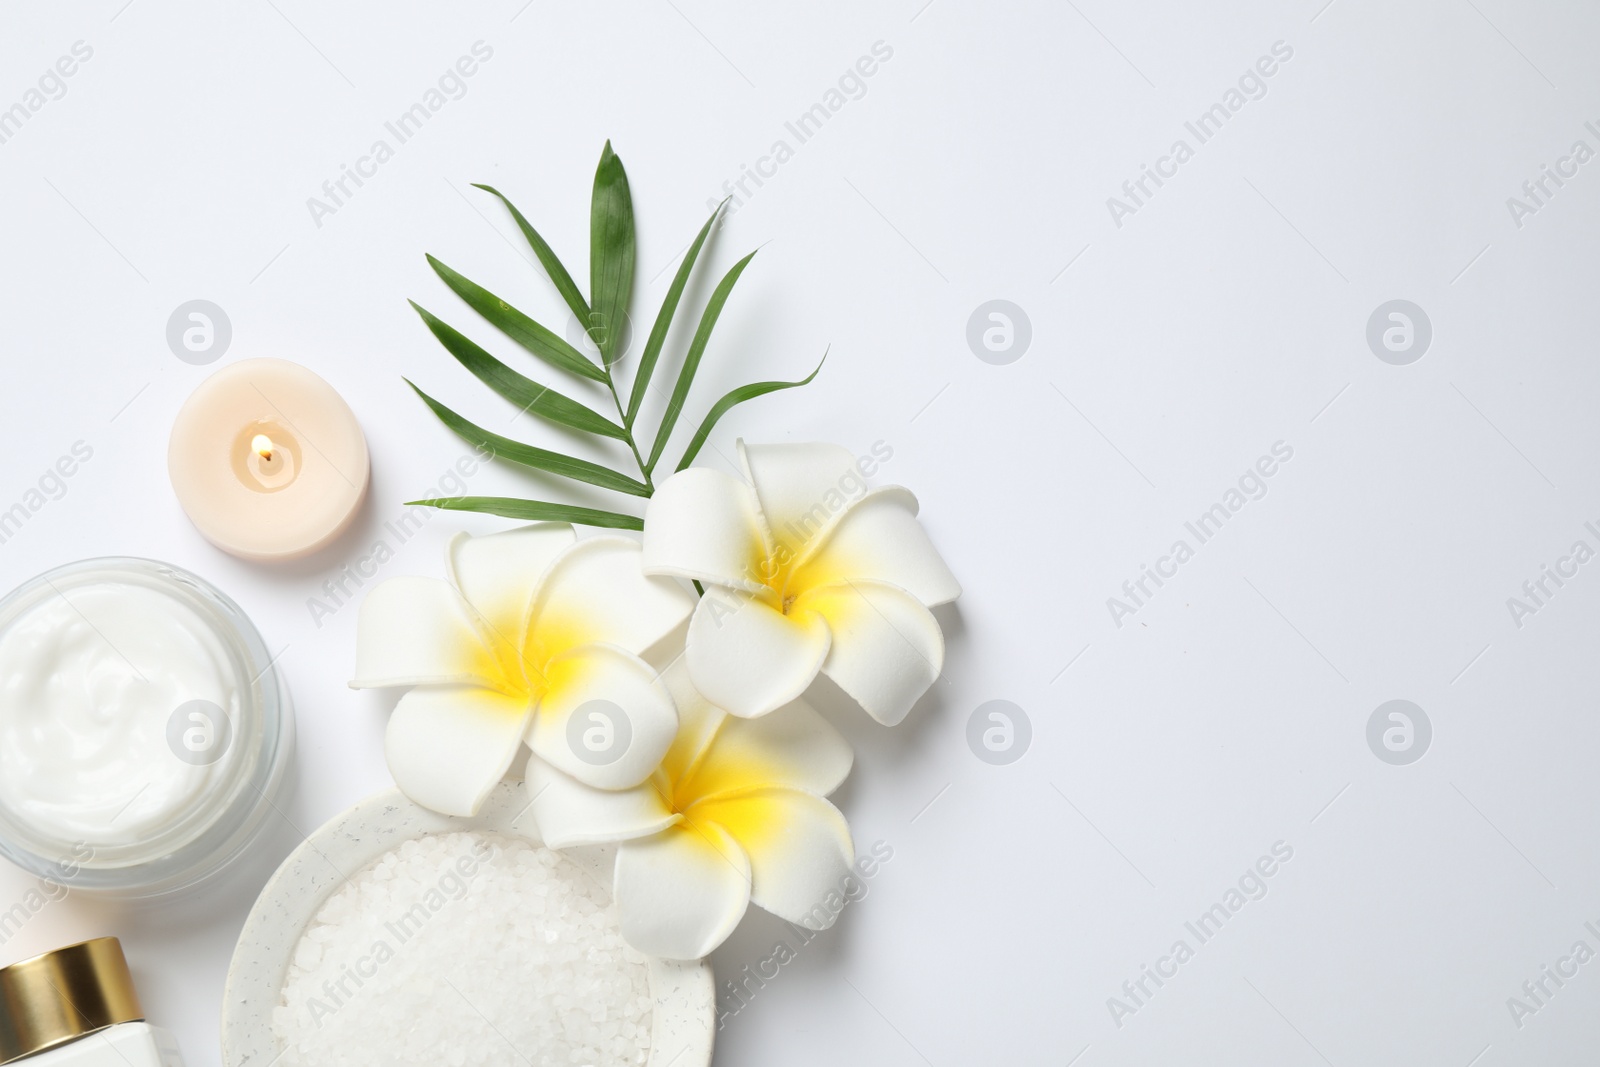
x=267, y=460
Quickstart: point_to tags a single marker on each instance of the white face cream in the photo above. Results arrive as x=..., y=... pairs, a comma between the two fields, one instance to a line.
x=143, y=728
x=90, y=682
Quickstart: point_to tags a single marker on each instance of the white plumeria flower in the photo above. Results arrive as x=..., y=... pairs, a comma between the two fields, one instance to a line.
x=805, y=571
x=735, y=815
x=532, y=626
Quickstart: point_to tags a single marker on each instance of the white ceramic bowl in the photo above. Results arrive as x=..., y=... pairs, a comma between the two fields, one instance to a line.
x=685, y=1002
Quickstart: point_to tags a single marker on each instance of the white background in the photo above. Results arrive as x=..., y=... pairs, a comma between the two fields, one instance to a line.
x=1227, y=314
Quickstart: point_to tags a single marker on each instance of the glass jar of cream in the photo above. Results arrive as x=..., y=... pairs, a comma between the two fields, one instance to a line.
x=144, y=729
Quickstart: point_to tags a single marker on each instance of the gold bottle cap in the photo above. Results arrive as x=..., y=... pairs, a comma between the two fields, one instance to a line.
x=64, y=995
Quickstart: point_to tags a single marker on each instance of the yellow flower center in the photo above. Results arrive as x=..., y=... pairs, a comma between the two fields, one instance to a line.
x=520, y=664
x=788, y=580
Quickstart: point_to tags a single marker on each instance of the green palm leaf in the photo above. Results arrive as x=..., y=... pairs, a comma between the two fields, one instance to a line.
x=611, y=254
x=534, y=511
x=517, y=326
x=669, y=308
x=604, y=315
x=552, y=265
x=691, y=362
x=529, y=456
x=526, y=393
x=733, y=399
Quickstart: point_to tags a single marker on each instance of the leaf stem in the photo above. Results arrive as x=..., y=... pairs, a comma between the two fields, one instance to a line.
x=627, y=426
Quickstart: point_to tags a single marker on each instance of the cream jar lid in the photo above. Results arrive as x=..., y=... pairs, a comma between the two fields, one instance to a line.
x=64, y=995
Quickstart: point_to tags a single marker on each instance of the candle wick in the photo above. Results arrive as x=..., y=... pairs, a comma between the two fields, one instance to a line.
x=263, y=446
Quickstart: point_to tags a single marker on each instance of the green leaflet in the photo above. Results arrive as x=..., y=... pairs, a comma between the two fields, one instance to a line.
x=520, y=328
x=534, y=511
x=552, y=265
x=691, y=362
x=611, y=254
x=526, y=393
x=733, y=399
x=529, y=456
x=669, y=308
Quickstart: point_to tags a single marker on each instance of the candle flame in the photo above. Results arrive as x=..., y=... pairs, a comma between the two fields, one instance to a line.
x=263, y=446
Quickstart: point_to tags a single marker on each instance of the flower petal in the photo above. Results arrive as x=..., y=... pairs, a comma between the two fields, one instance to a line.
x=794, y=747
x=749, y=658
x=699, y=721
x=879, y=538
x=606, y=719
x=448, y=746
x=417, y=631
x=703, y=524
x=498, y=573
x=799, y=849
x=569, y=813
x=803, y=489
x=680, y=893
x=887, y=648
x=595, y=592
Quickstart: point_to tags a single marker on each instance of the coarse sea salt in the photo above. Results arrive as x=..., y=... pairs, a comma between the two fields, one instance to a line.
x=465, y=949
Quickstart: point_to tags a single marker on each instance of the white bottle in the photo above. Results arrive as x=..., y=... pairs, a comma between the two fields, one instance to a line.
x=77, y=1007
